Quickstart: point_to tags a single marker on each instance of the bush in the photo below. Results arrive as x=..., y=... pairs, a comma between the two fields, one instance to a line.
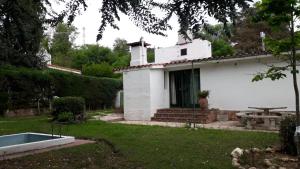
x=75, y=105
x=286, y=134
x=65, y=117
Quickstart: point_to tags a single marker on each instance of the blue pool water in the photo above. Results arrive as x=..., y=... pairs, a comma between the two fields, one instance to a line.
x=23, y=138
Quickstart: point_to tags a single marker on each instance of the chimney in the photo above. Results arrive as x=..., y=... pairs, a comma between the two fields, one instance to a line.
x=138, y=52
x=263, y=36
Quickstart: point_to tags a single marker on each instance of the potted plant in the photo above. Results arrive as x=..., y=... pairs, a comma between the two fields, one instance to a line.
x=203, y=102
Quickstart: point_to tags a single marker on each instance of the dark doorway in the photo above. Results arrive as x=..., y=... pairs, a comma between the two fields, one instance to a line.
x=181, y=88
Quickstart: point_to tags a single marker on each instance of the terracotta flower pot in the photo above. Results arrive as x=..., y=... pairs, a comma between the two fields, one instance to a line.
x=203, y=102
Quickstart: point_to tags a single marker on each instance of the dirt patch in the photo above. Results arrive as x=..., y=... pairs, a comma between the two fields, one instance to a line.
x=88, y=156
x=267, y=159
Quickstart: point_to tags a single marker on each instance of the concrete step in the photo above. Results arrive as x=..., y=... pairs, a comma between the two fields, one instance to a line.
x=189, y=115
x=178, y=110
x=176, y=119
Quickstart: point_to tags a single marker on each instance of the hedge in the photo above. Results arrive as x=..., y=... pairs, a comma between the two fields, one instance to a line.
x=23, y=88
x=97, y=92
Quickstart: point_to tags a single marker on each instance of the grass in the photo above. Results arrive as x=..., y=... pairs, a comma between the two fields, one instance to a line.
x=90, y=114
x=155, y=147
x=89, y=156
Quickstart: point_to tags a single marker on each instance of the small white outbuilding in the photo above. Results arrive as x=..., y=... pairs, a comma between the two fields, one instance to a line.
x=180, y=71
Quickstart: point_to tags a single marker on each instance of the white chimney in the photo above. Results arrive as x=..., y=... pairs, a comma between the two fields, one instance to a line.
x=263, y=36
x=138, y=52
x=183, y=39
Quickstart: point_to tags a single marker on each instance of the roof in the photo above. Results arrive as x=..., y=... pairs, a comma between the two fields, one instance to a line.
x=139, y=43
x=184, y=61
x=65, y=69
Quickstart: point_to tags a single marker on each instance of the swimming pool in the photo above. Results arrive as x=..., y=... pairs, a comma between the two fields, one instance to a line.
x=22, y=142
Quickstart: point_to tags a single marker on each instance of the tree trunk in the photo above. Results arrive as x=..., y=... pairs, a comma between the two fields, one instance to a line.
x=295, y=83
x=38, y=104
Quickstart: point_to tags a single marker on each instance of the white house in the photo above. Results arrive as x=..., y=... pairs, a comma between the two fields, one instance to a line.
x=180, y=71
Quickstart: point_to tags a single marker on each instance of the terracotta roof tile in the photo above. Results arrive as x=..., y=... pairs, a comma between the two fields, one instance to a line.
x=238, y=55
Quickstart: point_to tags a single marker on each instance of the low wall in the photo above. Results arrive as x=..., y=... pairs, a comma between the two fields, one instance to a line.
x=227, y=115
x=25, y=112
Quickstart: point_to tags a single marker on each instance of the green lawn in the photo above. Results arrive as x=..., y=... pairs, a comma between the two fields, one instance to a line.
x=154, y=147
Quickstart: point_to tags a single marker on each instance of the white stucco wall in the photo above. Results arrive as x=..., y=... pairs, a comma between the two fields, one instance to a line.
x=144, y=93
x=231, y=87
x=137, y=101
x=229, y=83
x=195, y=50
x=159, y=90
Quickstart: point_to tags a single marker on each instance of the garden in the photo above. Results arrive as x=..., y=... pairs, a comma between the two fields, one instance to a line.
x=134, y=146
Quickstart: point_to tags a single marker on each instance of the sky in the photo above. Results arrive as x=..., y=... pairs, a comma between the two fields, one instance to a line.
x=91, y=18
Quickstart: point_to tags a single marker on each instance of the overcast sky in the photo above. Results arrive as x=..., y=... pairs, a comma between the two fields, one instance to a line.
x=90, y=19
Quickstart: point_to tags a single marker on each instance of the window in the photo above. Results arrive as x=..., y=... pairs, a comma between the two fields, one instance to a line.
x=165, y=80
x=183, y=52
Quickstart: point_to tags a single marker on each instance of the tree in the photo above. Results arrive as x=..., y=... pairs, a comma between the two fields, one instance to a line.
x=120, y=45
x=121, y=53
x=22, y=21
x=21, y=31
x=191, y=14
x=98, y=70
x=90, y=54
x=21, y=28
x=246, y=33
x=221, y=48
x=61, y=44
x=150, y=55
x=220, y=42
x=213, y=32
x=277, y=13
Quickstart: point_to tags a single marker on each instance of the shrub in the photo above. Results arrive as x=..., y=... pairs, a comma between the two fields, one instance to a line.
x=65, y=117
x=203, y=94
x=75, y=105
x=286, y=134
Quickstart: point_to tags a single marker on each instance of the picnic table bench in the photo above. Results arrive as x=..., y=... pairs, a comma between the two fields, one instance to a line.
x=269, y=122
x=268, y=118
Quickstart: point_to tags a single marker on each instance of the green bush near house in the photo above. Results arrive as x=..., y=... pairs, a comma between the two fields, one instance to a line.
x=287, y=131
x=75, y=105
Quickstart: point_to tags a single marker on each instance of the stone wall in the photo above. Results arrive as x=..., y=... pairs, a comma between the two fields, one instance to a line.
x=25, y=112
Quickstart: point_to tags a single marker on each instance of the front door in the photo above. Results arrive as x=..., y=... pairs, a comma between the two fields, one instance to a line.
x=183, y=93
